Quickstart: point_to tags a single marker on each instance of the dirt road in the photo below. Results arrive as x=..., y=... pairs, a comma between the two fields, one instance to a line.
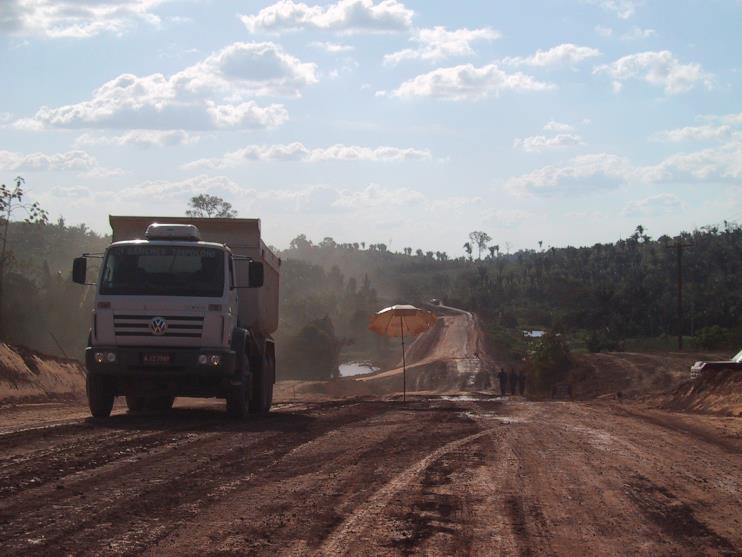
x=461, y=474
x=438, y=476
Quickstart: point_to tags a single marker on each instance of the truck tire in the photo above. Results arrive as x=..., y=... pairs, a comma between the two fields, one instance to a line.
x=238, y=404
x=238, y=397
x=100, y=396
x=261, y=395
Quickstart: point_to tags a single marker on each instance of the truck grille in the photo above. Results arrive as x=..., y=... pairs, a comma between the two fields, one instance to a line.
x=140, y=326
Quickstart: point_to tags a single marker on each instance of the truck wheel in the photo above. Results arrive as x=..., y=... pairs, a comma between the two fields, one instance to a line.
x=238, y=405
x=238, y=398
x=262, y=391
x=100, y=396
x=135, y=403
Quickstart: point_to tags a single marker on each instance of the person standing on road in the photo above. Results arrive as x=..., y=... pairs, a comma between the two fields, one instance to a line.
x=522, y=382
x=503, y=377
x=513, y=379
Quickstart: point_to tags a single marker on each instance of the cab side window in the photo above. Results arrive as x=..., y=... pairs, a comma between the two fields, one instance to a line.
x=231, y=272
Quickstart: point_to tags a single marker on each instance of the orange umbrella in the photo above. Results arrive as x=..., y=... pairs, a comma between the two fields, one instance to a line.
x=398, y=321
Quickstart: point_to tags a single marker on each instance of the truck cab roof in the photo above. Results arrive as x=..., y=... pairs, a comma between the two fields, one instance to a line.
x=171, y=243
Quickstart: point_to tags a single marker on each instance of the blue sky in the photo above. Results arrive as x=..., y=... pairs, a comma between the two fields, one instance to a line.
x=404, y=122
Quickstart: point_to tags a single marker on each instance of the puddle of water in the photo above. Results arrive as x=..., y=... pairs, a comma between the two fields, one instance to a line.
x=469, y=398
x=492, y=416
x=351, y=369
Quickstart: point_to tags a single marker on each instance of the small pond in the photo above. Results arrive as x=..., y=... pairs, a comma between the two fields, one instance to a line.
x=349, y=369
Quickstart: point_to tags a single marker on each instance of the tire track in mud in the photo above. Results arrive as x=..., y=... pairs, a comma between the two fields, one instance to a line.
x=340, y=541
x=162, y=485
x=36, y=468
x=296, y=503
x=676, y=518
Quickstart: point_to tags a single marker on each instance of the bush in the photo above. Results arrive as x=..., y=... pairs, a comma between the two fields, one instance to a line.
x=712, y=337
x=600, y=341
x=313, y=353
x=549, y=359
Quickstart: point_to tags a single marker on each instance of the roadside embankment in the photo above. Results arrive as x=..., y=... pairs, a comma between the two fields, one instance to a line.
x=29, y=376
x=632, y=374
x=717, y=392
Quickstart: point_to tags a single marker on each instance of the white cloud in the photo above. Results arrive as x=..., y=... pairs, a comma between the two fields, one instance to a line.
x=588, y=173
x=696, y=133
x=655, y=205
x=539, y=143
x=732, y=119
x=297, y=152
x=604, y=31
x=582, y=174
x=103, y=172
x=722, y=163
x=554, y=126
x=332, y=48
x=623, y=9
x=438, y=43
x=75, y=18
x=70, y=160
x=343, y=16
x=166, y=189
x=467, y=82
x=638, y=34
x=139, y=138
x=660, y=69
x=207, y=95
x=378, y=196
x=507, y=218
x=566, y=54
x=252, y=69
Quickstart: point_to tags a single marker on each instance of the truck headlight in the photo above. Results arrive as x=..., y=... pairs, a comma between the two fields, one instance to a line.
x=105, y=357
x=209, y=359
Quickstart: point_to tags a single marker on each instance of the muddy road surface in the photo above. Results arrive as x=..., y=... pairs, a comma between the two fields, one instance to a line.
x=466, y=475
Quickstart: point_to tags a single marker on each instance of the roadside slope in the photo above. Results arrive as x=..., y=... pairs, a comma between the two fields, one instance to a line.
x=28, y=376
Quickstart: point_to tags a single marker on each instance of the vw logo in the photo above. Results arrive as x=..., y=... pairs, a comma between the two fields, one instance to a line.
x=158, y=326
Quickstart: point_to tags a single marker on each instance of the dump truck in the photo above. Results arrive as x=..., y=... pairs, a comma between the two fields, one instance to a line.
x=699, y=368
x=183, y=307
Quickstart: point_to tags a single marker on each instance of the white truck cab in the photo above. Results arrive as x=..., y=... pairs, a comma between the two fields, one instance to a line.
x=175, y=315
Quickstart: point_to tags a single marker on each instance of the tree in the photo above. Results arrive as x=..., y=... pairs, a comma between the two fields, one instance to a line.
x=11, y=199
x=480, y=239
x=467, y=249
x=211, y=206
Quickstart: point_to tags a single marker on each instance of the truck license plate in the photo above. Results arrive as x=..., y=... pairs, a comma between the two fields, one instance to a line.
x=156, y=358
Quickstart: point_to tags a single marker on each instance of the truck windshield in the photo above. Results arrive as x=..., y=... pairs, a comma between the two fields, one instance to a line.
x=149, y=270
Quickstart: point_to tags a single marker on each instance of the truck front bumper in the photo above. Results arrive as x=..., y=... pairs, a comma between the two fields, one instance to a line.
x=164, y=370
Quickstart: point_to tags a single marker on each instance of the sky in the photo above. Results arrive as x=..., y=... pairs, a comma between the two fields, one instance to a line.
x=409, y=123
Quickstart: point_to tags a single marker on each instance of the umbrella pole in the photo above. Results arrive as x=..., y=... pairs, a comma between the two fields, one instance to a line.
x=404, y=364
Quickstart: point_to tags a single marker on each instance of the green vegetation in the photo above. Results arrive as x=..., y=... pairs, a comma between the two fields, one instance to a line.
x=549, y=361
x=613, y=296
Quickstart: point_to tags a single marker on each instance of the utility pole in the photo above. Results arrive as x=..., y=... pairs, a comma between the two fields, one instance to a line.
x=679, y=246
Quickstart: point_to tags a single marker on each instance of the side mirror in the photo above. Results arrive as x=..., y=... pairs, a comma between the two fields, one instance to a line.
x=80, y=270
x=256, y=274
